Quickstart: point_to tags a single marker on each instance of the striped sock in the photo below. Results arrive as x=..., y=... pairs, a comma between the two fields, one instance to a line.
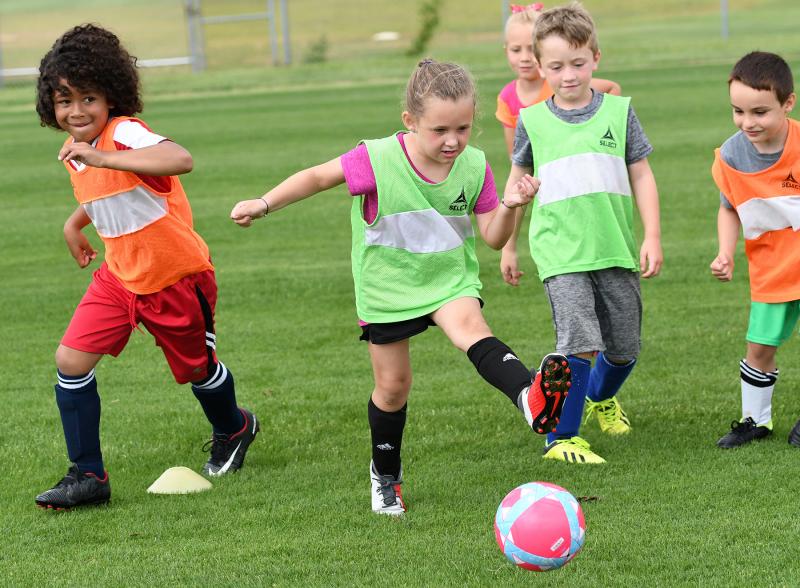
x=757, y=389
x=217, y=395
x=79, y=405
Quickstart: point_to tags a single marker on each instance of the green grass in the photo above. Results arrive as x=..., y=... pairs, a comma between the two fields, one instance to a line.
x=672, y=510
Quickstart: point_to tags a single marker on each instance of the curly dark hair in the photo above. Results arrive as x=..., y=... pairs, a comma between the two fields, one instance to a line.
x=90, y=58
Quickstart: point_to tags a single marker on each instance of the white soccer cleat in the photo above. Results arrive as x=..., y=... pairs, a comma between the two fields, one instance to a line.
x=387, y=497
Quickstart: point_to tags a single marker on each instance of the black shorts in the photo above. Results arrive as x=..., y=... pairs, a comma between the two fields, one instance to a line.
x=382, y=333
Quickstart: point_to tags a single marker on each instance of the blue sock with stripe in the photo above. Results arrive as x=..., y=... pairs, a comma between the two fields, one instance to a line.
x=571, y=415
x=79, y=405
x=607, y=378
x=217, y=396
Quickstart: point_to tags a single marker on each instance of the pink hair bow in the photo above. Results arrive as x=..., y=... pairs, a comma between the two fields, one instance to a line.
x=536, y=7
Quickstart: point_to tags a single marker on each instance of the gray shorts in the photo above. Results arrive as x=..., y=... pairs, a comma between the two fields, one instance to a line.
x=598, y=310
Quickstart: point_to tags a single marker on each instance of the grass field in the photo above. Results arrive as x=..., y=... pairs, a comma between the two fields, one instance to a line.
x=671, y=509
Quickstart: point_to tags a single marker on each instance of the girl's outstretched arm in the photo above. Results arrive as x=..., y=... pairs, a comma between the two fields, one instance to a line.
x=301, y=185
x=498, y=225
x=165, y=159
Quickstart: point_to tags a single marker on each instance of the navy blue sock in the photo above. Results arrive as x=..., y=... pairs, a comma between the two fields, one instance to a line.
x=79, y=405
x=606, y=378
x=570, y=423
x=217, y=396
x=386, y=429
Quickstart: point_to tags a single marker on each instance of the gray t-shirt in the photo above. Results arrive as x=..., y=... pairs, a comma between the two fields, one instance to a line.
x=636, y=145
x=739, y=153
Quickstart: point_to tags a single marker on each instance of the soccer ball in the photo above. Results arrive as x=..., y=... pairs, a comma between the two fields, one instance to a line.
x=539, y=526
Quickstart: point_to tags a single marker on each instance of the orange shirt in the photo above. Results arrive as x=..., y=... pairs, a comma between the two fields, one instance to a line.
x=148, y=236
x=768, y=205
x=509, y=104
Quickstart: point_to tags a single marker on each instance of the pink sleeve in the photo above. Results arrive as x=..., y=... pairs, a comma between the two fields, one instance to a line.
x=487, y=199
x=358, y=172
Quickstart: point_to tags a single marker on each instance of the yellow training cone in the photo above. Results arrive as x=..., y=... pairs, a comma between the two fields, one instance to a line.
x=179, y=480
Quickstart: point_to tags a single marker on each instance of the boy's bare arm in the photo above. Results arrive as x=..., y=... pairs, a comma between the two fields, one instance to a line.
x=301, y=185
x=646, y=193
x=165, y=159
x=728, y=225
x=77, y=243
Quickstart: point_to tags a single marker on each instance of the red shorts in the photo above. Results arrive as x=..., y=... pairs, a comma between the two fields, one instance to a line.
x=180, y=317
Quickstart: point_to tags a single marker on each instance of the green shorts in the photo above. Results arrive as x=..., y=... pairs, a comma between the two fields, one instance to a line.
x=772, y=323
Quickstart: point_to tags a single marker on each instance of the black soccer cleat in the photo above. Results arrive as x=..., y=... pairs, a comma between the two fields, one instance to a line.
x=76, y=489
x=228, y=451
x=794, y=435
x=743, y=432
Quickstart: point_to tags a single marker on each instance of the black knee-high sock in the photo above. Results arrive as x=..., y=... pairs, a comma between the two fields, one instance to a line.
x=387, y=438
x=79, y=405
x=500, y=366
x=217, y=396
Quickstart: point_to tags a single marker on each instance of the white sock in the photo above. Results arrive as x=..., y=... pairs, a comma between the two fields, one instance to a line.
x=757, y=388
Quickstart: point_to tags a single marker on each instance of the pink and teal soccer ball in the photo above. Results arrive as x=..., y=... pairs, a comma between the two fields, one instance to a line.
x=539, y=526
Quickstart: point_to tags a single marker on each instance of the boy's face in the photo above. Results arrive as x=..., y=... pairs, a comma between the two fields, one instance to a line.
x=568, y=70
x=82, y=113
x=760, y=116
x=519, y=51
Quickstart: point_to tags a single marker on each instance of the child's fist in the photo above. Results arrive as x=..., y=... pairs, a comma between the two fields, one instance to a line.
x=722, y=267
x=246, y=211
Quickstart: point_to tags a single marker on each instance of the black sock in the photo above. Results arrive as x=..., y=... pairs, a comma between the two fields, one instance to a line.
x=216, y=394
x=500, y=366
x=79, y=405
x=387, y=437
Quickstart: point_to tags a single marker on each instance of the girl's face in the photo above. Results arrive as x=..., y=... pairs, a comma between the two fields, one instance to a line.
x=519, y=51
x=443, y=130
x=83, y=114
x=760, y=116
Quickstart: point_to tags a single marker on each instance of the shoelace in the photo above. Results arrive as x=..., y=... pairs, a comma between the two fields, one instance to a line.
x=70, y=478
x=579, y=441
x=386, y=489
x=216, y=445
x=746, y=424
x=608, y=411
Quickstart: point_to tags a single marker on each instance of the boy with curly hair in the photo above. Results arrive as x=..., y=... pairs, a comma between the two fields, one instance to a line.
x=156, y=271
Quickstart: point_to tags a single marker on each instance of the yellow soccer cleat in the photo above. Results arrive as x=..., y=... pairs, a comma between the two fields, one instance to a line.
x=610, y=415
x=573, y=450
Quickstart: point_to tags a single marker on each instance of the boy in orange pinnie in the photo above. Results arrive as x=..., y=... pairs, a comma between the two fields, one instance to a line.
x=755, y=171
x=156, y=271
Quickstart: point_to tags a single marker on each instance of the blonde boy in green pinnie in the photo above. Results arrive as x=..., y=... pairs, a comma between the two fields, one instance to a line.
x=590, y=154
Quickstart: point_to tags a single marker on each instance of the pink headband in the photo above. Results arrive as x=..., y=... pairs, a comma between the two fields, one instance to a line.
x=536, y=7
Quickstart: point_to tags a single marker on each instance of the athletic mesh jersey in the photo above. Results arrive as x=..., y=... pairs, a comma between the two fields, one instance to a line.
x=148, y=236
x=768, y=205
x=582, y=218
x=419, y=252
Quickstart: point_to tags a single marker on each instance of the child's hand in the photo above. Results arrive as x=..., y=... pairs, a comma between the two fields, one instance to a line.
x=82, y=153
x=79, y=246
x=651, y=257
x=524, y=191
x=246, y=211
x=509, y=267
x=722, y=267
